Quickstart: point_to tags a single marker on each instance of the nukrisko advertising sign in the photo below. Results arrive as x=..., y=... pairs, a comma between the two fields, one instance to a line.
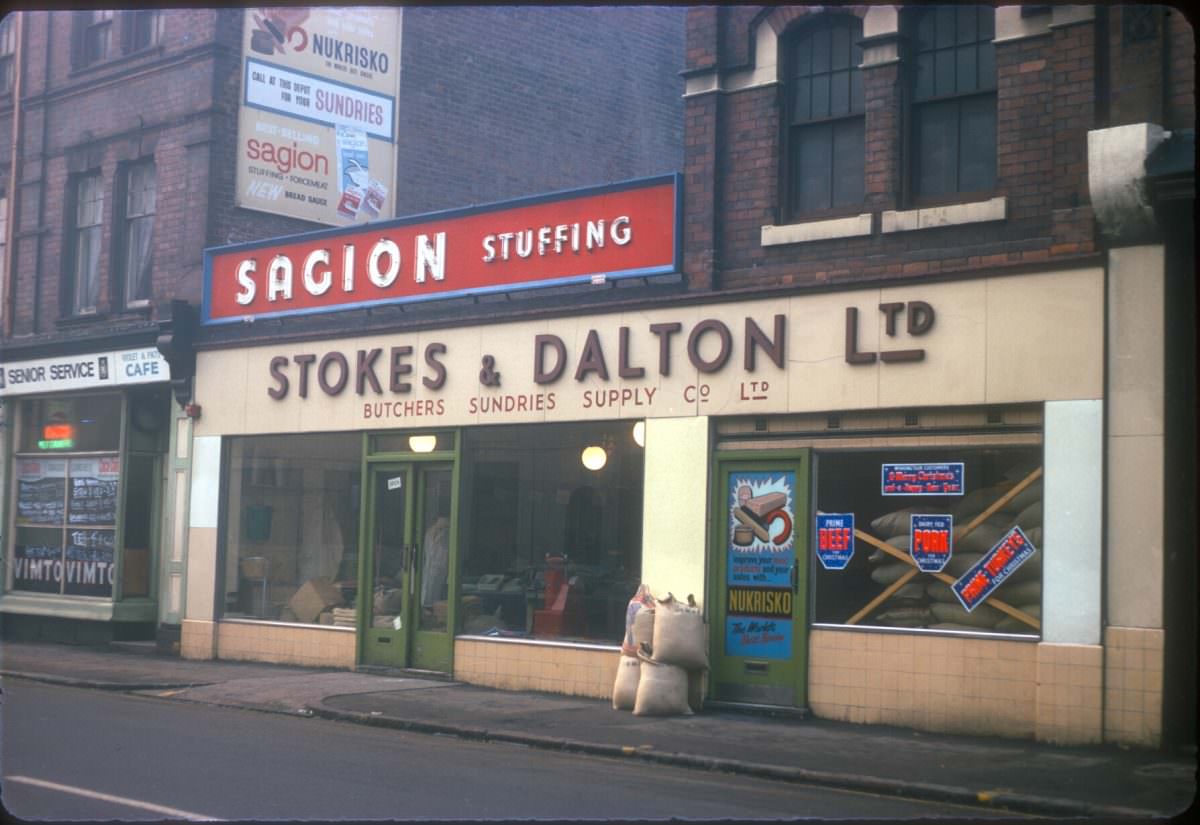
x=316, y=126
x=80, y=372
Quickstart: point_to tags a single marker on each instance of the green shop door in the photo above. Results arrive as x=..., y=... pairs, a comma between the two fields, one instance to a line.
x=760, y=536
x=404, y=617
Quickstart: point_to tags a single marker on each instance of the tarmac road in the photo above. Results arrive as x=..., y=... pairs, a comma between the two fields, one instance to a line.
x=70, y=754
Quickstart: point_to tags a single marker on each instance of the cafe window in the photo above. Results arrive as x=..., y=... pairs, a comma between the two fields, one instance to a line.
x=68, y=473
x=291, y=527
x=552, y=530
x=881, y=587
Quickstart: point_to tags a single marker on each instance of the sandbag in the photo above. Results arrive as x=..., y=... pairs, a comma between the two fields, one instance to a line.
x=642, y=600
x=679, y=634
x=905, y=617
x=976, y=502
x=696, y=681
x=960, y=562
x=1012, y=625
x=939, y=592
x=895, y=523
x=643, y=629
x=1020, y=592
x=888, y=573
x=983, y=616
x=1029, y=496
x=901, y=543
x=952, y=626
x=912, y=591
x=662, y=689
x=626, y=684
x=983, y=538
x=1030, y=517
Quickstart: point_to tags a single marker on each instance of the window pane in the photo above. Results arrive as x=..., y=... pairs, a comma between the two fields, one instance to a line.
x=936, y=151
x=291, y=508
x=987, y=66
x=987, y=23
x=813, y=162
x=135, y=566
x=42, y=491
x=966, y=23
x=803, y=101
x=840, y=58
x=839, y=93
x=802, y=57
x=92, y=491
x=848, y=482
x=945, y=26
x=924, y=30
x=856, y=91
x=967, y=79
x=89, y=567
x=977, y=171
x=138, y=252
x=944, y=72
x=820, y=96
x=141, y=189
x=848, y=161
x=37, y=560
x=923, y=76
x=87, y=270
x=820, y=51
x=81, y=424
x=550, y=548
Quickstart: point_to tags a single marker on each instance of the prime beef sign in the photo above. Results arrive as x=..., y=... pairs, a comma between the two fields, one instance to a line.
x=622, y=230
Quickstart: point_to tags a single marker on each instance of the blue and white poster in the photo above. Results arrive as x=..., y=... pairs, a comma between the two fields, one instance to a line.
x=997, y=564
x=931, y=541
x=761, y=553
x=923, y=479
x=835, y=540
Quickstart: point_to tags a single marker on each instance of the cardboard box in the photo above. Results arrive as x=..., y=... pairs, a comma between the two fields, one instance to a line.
x=314, y=597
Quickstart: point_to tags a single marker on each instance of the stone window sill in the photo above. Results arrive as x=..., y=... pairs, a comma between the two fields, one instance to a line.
x=852, y=227
x=932, y=217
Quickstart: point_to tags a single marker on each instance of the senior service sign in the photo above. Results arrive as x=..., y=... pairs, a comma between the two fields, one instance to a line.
x=316, y=127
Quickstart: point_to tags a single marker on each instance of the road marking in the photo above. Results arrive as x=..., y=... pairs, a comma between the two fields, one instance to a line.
x=175, y=813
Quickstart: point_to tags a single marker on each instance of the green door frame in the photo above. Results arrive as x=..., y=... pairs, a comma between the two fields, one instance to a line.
x=742, y=678
x=432, y=650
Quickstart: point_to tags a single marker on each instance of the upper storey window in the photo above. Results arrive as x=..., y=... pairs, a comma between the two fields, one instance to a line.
x=953, y=85
x=95, y=36
x=824, y=117
x=8, y=47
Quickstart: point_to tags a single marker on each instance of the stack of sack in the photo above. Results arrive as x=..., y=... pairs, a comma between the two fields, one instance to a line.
x=663, y=659
x=928, y=602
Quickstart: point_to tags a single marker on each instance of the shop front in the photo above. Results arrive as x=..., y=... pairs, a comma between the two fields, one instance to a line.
x=887, y=499
x=86, y=440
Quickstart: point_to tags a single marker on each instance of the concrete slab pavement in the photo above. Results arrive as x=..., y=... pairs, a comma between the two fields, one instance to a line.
x=1017, y=775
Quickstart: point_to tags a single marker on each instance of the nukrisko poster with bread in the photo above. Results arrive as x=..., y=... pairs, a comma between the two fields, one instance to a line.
x=761, y=555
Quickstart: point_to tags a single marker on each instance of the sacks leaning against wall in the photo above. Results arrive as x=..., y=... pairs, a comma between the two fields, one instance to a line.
x=666, y=671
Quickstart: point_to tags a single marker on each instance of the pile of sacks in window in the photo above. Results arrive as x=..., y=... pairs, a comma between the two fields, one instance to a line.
x=663, y=657
x=927, y=602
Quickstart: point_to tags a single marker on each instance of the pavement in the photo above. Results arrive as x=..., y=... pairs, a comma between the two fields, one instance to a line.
x=1023, y=777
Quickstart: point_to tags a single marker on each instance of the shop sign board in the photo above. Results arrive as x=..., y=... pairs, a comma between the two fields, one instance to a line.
x=983, y=577
x=835, y=540
x=923, y=479
x=621, y=230
x=317, y=120
x=761, y=556
x=931, y=541
x=79, y=372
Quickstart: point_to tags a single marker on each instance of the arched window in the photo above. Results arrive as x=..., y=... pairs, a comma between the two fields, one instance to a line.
x=952, y=76
x=824, y=116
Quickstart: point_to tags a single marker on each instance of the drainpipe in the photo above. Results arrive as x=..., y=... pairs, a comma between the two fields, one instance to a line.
x=42, y=177
x=9, y=293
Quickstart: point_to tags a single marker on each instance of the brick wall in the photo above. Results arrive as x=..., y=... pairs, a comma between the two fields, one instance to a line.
x=1045, y=106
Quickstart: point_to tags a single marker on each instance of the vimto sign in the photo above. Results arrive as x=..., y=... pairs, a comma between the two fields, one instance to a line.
x=621, y=230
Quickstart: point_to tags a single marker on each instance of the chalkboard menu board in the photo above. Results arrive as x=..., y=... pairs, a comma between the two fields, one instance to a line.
x=89, y=566
x=93, y=491
x=37, y=568
x=41, y=490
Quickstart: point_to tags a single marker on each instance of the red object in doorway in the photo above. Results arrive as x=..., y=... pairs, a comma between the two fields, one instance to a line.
x=562, y=613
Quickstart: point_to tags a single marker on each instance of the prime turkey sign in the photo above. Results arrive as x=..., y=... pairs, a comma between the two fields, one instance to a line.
x=621, y=230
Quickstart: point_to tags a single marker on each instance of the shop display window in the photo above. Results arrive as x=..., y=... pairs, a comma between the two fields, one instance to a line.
x=65, y=512
x=291, y=527
x=991, y=566
x=551, y=530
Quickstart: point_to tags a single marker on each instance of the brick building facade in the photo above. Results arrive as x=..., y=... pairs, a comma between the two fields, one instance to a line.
x=123, y=171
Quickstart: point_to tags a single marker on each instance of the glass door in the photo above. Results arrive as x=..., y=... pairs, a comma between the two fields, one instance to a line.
x=759, y=566
x=405, y=606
